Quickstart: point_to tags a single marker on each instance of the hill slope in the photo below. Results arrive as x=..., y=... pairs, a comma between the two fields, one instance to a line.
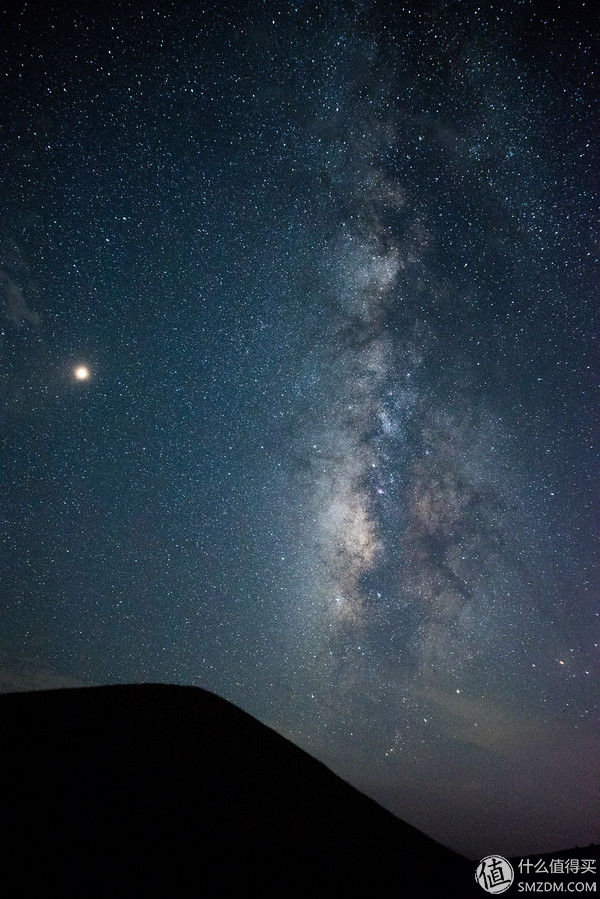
x=132, y=790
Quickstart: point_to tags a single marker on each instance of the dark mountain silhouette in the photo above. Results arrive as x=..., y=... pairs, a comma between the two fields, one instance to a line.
x=144, y=790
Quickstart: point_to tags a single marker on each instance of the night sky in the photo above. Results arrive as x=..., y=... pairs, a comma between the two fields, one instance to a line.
x=330, y=273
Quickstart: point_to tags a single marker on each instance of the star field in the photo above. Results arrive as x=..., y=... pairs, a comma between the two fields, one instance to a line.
x=300, y=386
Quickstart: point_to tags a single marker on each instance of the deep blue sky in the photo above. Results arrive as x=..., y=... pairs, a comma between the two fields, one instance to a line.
x=333, y=269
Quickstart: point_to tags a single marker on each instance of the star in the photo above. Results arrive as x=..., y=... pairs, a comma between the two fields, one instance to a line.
x=82, y=373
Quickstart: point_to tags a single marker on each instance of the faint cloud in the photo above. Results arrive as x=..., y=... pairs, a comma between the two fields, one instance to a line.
x=26, y=673
x=16, y=284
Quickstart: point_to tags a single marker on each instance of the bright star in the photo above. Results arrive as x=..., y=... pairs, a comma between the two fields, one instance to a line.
x=82, y=373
